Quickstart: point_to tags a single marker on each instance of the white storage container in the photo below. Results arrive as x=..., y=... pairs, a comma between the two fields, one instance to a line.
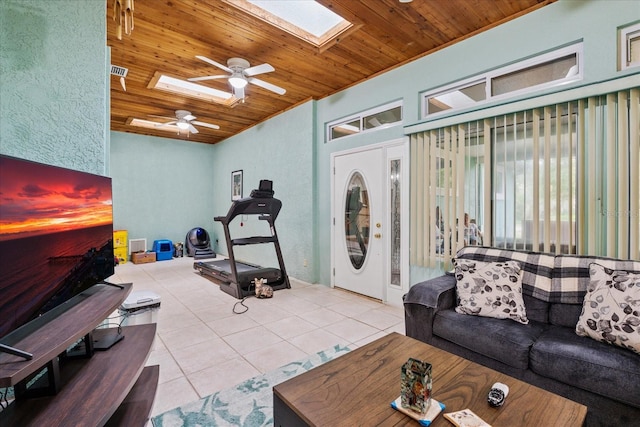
x=139, y=308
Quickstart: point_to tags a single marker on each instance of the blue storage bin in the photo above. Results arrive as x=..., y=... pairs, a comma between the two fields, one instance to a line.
x=163, y=249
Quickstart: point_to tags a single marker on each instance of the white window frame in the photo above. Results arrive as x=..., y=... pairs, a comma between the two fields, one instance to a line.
x=624, y=46
x=488, y=77
x=451, y=88
x=360, y=117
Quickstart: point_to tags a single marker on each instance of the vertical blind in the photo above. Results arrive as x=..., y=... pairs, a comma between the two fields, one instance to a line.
x=562, y=178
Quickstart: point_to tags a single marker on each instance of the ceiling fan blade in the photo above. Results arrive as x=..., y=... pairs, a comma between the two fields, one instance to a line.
x=192, y=128
x=259, y=69
x=206, y=125
x=268, y=86
x=199, y=79
x=214, y=63
x=189, y=117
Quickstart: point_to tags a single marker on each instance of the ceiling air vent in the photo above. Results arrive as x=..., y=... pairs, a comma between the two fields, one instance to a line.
x=119, y=71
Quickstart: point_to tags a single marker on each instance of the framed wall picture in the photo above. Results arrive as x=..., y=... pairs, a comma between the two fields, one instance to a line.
x=236, y=185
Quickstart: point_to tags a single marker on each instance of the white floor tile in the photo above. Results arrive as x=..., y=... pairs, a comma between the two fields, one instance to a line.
x=290, y=327
x=317, y=340
x=353, y=308
x=255, y=338
x=323, y=317
x=377, y=318
x=222, y=375
x=185, y=337
x=351, y=330
x=169, y=369
x=203, y=355
x=172, y=394
x=272, y=356
x=232, y=324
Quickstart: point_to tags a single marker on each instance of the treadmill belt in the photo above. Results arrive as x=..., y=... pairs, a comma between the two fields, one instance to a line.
x=220, y=272
x=223, y=265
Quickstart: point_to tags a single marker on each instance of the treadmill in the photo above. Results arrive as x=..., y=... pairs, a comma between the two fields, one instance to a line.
x=235, y=277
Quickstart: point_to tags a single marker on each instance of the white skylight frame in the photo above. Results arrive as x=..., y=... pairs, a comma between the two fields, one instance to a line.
x=300, y=18
x=309, y=15
x=193, y=90
x=150, y=124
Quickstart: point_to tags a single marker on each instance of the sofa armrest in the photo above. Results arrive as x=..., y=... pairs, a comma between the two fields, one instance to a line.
x=423, y=301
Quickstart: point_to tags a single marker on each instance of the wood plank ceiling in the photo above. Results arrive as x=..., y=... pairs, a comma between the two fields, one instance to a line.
x=168, y=35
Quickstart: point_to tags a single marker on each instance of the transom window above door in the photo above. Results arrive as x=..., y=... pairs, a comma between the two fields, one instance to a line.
x=551, y=69
x=366, y=121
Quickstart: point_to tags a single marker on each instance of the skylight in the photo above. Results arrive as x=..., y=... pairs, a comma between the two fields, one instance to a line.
x=306, y=19
x=182, y=87
x=131, y=121
x=309, y=15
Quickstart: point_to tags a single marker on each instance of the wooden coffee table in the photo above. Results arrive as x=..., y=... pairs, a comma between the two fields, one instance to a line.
x=358, y=388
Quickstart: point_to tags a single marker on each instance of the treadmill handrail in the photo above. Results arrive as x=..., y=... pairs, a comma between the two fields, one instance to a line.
x=267, y=208
x=253, y=240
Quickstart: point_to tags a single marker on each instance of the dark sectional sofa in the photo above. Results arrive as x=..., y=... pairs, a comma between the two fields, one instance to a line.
x=546, y=352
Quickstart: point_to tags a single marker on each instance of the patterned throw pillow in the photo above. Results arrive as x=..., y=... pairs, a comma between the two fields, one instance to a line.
x=490, y=289
x=611, y=308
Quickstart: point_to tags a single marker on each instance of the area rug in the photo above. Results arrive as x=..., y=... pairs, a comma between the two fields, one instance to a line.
x=248, y=404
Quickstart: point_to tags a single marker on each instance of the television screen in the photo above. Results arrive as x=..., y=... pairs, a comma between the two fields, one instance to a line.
x=56, y=237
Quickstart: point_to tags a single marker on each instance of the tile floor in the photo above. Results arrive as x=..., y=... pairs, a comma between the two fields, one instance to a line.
x=202, y=346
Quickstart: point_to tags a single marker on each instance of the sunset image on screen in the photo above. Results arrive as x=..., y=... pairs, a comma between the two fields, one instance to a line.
x=37, y=200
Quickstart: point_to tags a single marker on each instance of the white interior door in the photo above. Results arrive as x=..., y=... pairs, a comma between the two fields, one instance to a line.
x=359, y=216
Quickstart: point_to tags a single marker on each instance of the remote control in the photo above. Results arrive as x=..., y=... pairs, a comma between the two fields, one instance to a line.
x=497, y=394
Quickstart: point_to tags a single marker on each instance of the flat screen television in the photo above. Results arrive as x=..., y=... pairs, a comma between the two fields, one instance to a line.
x=56, y=240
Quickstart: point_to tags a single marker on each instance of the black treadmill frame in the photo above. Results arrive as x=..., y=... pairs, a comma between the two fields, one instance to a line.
x=267, y=209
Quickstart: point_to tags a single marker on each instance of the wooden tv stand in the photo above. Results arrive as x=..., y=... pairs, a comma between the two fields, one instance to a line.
x=112, y=387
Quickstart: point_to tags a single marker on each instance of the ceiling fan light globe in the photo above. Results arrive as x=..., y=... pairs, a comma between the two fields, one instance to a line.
x=237, y=82
x=182, y=125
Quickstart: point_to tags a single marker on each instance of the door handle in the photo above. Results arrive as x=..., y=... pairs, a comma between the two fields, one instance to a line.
x=377, y=235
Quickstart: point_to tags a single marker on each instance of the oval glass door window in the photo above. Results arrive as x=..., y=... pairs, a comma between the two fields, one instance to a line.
x=357, y=221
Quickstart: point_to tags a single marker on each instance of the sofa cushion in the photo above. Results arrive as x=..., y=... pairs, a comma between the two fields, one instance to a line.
x=587, y=364
x=506, y=342
x=537, y=268
x=571, y=275
x=566, y=315
x=490, y=290
x=611, y=309
x=538, y=310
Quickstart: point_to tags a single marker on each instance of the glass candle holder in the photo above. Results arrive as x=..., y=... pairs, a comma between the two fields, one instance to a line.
x=415, y=388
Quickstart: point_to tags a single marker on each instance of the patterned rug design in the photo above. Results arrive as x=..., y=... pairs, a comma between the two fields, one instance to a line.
x=248, y=404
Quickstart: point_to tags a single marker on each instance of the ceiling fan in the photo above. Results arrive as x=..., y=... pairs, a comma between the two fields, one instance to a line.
x=240, y=74
x=185, y=121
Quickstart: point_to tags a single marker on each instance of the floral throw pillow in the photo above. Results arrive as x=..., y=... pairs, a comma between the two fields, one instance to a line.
x=611, y=308
x=490, y=289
